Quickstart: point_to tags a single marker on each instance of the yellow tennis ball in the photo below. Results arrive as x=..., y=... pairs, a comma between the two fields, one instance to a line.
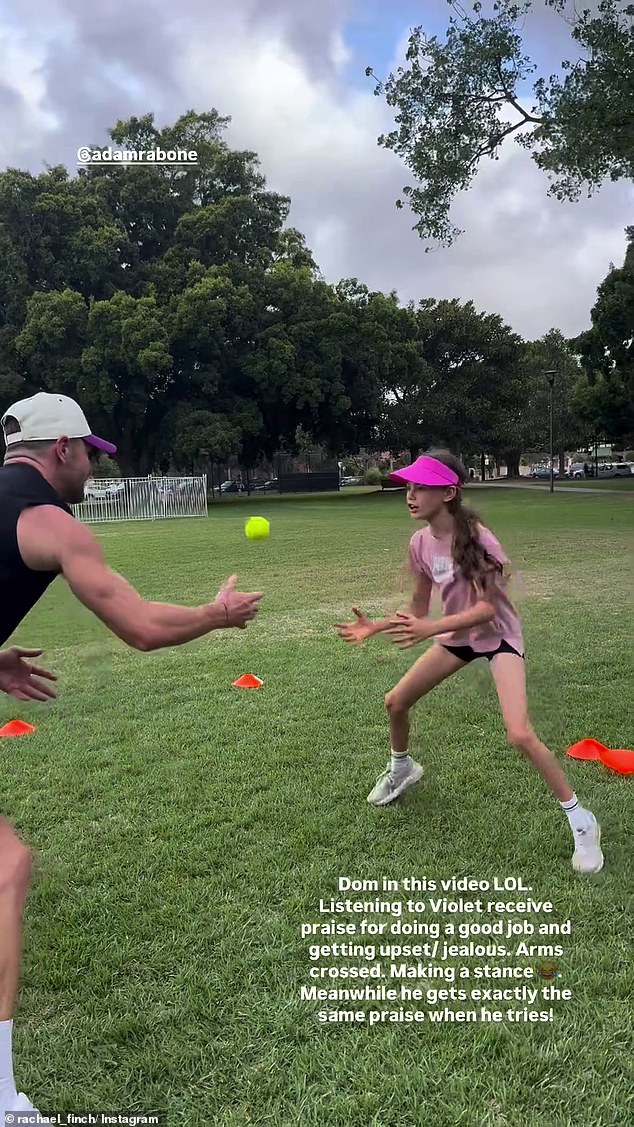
x=257, y=528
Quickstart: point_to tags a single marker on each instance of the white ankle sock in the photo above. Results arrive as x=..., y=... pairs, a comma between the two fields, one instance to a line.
x=7, y=1082
x=576, y=814
x=399, y=764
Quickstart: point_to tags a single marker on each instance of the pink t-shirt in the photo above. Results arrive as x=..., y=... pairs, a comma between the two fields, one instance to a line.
x=433, y=558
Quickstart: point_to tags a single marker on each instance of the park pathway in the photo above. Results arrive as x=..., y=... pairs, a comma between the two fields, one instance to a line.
x=497, y=484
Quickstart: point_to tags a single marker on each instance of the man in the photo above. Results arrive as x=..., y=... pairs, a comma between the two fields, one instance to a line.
x=47, y=462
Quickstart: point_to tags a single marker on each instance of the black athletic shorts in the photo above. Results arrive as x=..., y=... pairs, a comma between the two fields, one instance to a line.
x=465, y=653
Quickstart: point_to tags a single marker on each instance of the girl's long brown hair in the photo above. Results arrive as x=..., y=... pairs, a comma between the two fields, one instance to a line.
x=473, y=561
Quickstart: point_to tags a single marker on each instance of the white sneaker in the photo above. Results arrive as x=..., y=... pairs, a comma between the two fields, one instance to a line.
x=386, y=789
x=587, y=857
x=29, y=1116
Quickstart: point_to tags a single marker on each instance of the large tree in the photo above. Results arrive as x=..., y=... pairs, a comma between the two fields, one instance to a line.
x=145, y=292
x=474, y=357
x=528, y=428
x=311, y=362
x=406, y=378
x=458, y=100
x=605, y=395
x=451, y=379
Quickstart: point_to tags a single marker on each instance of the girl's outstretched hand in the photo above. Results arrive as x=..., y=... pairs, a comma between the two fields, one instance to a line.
x=356, y=631
x=407, y=630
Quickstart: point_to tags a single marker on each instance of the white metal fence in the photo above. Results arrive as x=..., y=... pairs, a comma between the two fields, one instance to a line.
x=142, y=498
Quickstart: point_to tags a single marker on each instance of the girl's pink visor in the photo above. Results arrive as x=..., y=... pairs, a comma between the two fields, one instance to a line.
x=426, y=471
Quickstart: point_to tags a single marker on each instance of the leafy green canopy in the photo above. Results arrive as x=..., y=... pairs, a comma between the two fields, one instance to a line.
x=458, y=99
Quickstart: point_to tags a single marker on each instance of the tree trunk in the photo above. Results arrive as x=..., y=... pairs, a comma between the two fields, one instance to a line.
x=143, y=463
x=127, y=464
x=512, y=459
x=482, y=467
x=128, y=452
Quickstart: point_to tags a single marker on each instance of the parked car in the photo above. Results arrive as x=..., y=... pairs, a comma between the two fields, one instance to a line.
x=351, y=481
x=542, y=473
x=166, y=487
x=232, y=487
x=606, y=469
x=577, y=470
x=97, y=490
x=170, y=487
x=614, y=470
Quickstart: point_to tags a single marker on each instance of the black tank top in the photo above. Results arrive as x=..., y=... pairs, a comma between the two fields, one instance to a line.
x=21, y=487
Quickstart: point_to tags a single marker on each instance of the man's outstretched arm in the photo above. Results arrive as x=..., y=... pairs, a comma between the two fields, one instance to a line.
x=51, y=539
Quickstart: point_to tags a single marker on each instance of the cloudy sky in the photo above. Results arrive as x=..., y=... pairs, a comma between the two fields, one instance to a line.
x=290, y=73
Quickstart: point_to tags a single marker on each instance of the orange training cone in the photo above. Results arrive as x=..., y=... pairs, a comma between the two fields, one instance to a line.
x=248, y=681
x=620, y=760
x=17, y=728
x=587, y=749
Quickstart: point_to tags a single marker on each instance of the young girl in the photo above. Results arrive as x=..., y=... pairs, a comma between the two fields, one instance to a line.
x=458, y=554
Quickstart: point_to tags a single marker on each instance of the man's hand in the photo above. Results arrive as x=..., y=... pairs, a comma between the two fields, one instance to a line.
x=239, y=608
x=20, y=679
x=407, y=630
x=356, y=631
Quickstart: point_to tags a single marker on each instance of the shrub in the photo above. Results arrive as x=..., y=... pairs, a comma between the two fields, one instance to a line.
x=105, y=467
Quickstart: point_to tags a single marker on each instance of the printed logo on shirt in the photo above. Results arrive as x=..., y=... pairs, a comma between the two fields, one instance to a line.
x=442, y=569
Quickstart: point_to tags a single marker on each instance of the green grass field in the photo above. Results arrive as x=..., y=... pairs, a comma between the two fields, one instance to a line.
x=184, y=830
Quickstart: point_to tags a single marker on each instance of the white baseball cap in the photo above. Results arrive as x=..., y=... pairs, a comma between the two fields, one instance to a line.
x=46, y=417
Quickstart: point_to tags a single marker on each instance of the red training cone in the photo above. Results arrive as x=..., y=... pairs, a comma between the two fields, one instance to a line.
x=248, y=681
x=17, y=728
x=620, y=760
x=587, y=749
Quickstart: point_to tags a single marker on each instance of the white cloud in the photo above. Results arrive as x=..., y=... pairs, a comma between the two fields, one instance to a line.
x=340, y=53
x=21, y=62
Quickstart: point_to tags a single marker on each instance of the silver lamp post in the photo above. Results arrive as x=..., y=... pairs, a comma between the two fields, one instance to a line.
x=550, y=376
